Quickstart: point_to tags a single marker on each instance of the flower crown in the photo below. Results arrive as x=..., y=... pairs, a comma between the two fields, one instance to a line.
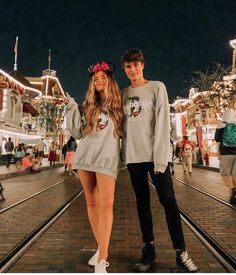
x=106, y=67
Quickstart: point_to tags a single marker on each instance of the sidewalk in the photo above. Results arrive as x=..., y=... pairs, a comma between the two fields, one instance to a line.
x=213, y=166
x=13, y=171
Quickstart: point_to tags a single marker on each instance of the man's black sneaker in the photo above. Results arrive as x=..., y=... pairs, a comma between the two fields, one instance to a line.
x=148, y=257
x=183, y=260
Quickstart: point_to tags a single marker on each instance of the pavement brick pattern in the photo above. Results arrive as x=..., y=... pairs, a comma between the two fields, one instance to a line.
x=21, y=220
x=68, y=244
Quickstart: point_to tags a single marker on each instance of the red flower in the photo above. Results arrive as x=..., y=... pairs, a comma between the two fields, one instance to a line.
x=103, y=66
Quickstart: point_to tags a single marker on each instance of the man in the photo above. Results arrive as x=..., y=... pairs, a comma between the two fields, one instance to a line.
x=227, y=151
x=147, y=148
x=9, y=146
x=40, y=146
x=187, y=154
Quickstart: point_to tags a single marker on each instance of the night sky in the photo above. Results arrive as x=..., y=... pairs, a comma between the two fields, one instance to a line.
x=177, y=37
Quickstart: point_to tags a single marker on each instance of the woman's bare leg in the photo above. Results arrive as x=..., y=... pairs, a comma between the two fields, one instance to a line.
x=88, y=181
x=106, y=190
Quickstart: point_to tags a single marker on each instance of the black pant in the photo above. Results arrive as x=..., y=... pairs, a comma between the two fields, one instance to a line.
x=9, y=156
x=164, y=187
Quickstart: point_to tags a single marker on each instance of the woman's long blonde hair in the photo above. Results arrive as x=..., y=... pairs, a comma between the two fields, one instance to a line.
x=112, y=104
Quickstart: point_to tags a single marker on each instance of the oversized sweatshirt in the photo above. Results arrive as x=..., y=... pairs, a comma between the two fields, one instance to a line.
x=96, y=152
x=146, y=125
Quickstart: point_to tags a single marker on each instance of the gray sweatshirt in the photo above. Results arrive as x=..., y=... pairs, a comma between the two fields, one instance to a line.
x=97, y=152
x=146, y=125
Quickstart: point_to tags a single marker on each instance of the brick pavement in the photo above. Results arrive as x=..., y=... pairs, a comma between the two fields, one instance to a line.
x=68, y=244
x=21, y=220
x=207, y=180
x=216, y=219
x=20, y=187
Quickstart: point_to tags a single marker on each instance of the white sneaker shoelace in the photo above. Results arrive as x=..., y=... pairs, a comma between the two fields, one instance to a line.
x=187, y=261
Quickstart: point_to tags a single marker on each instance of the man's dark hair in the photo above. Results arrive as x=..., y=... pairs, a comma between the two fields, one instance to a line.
x=132, y=55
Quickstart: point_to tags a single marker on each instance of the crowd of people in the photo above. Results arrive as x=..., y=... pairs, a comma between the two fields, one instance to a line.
x=29, y=157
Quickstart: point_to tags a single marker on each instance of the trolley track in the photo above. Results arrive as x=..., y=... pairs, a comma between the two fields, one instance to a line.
x=222, y=256
x=224, y=202
x=20, y=189
x=21, y=219
x=31, y=196
x=10, y=258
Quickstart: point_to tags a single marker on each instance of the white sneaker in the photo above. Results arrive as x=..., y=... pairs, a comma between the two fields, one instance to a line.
x=100, y=267
x=94, y=259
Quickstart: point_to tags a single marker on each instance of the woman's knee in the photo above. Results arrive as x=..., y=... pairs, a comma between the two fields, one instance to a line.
x=92, y=203
x=107, y=204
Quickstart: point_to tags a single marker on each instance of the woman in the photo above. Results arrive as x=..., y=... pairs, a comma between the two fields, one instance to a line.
x=227, y=154
x=52, y=156
x=20, y=153
x=70, y=153
x=97, y=156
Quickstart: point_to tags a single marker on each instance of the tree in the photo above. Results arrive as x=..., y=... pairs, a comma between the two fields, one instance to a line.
x=215, y=92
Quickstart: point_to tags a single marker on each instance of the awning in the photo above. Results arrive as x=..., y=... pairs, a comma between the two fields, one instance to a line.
x=28, y=108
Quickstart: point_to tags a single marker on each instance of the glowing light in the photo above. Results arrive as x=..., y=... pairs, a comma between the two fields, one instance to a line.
x=18, y=134
x=19, y=83
x=54, y=78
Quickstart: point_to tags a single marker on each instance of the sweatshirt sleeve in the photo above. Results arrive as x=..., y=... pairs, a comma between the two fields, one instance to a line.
x=161, y=150
x=73, y=119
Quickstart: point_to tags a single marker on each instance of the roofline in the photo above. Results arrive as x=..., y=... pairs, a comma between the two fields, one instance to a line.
x=19, y=83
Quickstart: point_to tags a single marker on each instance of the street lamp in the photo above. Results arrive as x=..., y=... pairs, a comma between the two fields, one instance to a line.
x=233, y=45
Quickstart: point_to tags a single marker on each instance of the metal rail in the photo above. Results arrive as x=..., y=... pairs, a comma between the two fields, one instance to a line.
x=8, y=260
x=206, y=193
x=30, y=197
x=222, y=256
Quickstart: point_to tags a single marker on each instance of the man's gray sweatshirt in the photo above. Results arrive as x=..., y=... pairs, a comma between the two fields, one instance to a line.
x=146, y=125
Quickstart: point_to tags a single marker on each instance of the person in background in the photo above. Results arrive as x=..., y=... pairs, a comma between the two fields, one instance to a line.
x=19, y=154
x=28, y=165
x=40, y=149
x=9, y=146
x=196, y=154
x=70, y=153
x=64, y=149
x=178, y=152
x=147, y=150
x=98, y=126
x=52, y=155
x=187, y=155
x=227, y=154
x=30, y=150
